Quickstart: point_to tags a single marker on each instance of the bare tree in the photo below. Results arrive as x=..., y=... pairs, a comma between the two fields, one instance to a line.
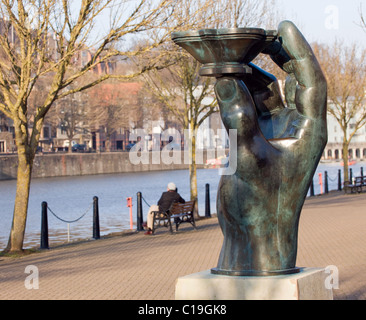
x=46, y=38
x=245, y=13
x=345, y=70
x=362, y=18
x=182, y=92
x=70, y=117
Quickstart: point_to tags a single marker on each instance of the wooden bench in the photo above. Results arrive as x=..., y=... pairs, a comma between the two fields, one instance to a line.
x=355, y=186
x=180, y=212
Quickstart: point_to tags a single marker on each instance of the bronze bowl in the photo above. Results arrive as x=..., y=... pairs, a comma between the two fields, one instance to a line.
x=224, y=51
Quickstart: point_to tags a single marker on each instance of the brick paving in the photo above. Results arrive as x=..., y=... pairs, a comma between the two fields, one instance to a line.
x=138, y=267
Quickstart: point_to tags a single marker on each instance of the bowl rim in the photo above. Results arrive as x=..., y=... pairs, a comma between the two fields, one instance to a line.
x=218, y=32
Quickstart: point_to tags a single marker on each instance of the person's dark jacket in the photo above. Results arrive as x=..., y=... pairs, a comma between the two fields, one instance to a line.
x=168, y=198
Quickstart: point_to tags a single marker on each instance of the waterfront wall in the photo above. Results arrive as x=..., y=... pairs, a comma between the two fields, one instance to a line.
x=77, y=164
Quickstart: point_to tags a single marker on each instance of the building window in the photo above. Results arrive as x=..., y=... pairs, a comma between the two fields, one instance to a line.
x=336, y=154
x=53, y=132
x=46, y=132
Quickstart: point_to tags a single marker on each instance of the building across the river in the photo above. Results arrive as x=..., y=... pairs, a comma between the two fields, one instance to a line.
x=333, y=150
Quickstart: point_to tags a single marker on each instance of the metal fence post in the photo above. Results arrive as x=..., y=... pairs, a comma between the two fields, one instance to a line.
x=44, y=227
x=339, y=180
x=139, y=212
x=312, y=188
x=326, y=182
x=208, y=204
x=96, y=229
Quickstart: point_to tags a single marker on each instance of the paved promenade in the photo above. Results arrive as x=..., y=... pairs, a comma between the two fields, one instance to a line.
x=332, y=232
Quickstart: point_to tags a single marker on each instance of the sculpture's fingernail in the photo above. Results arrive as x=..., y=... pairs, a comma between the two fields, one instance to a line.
x=225, y=89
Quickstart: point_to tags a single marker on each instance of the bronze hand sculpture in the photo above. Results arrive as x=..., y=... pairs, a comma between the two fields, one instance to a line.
x=278, y=150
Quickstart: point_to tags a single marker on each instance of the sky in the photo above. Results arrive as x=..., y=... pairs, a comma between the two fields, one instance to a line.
x=319, y=20
x=324, y=20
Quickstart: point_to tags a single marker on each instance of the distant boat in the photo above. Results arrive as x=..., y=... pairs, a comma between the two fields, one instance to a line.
x=350, y=163
x=215, y=162
x=327, y=161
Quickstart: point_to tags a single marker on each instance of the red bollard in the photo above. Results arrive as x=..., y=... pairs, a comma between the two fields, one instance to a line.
x=321, y=182
x=129, y=205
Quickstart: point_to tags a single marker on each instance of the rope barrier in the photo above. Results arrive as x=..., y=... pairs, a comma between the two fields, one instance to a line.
x=333, y=180
x=70, y=221
x=44, y=228
x=145, y=201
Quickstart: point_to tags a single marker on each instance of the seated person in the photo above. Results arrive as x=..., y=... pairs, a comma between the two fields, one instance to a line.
x=164, y=203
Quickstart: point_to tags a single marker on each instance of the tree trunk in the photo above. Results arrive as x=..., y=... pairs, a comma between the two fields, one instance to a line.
x=345, y=161
x=69, y=150
x=193, y=172
x=108, y=144
x=24, y=173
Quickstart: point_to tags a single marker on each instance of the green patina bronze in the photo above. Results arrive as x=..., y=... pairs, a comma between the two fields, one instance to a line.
x=278, y=146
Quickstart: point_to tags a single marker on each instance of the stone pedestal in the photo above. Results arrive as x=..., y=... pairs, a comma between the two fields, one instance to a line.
x=308, y=284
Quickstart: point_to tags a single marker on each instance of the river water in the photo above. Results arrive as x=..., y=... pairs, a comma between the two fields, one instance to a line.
x=71, y=197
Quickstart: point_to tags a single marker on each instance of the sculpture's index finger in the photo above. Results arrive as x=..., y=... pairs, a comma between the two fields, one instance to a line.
x=293, y=41
x=306, y=69
x=304, y=63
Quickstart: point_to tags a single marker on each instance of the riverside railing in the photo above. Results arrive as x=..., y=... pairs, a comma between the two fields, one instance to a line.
x=140, y=199
x=44, y=222
x=324, y=183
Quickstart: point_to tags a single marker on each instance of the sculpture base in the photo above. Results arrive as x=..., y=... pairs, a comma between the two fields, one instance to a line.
x=307, y=284
x=254, y=273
